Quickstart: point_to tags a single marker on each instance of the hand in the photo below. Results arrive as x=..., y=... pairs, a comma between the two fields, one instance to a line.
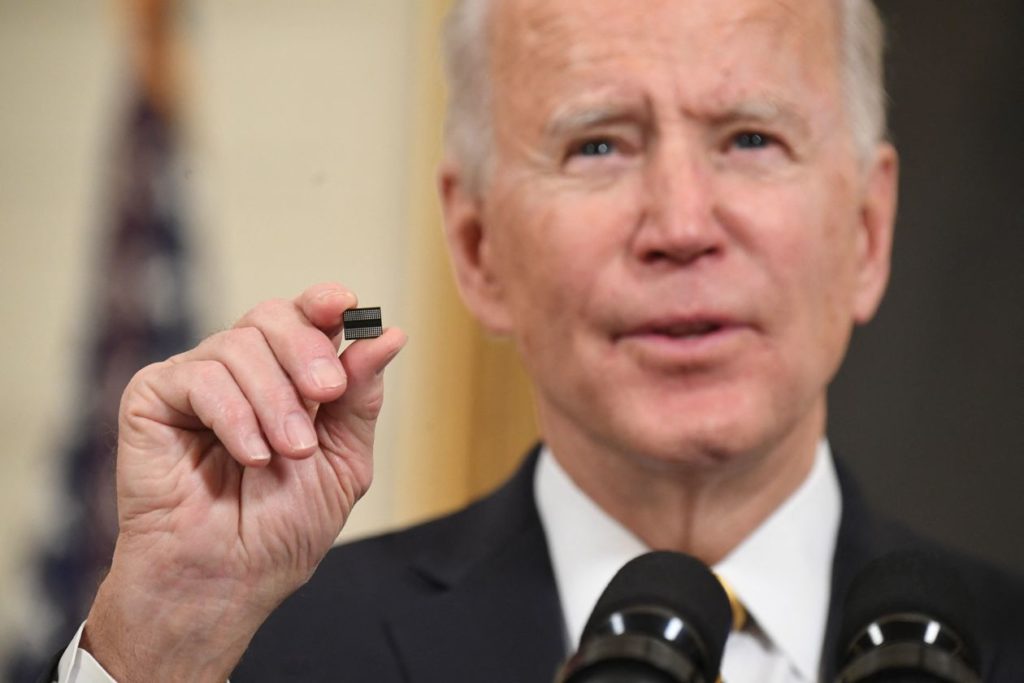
x=238, y=463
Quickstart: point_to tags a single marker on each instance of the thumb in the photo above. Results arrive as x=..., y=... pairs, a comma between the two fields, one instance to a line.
x=350, y=419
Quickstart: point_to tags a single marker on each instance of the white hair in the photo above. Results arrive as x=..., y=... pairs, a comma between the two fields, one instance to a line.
x=863, y=52
x=468, y=125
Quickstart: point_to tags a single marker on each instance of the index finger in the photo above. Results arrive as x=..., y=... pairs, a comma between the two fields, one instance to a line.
x=323, y=305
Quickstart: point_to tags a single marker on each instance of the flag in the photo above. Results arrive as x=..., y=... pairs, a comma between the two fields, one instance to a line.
x=142, y=312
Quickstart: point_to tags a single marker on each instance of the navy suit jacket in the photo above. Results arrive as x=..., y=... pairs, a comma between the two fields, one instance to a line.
x=471, y=597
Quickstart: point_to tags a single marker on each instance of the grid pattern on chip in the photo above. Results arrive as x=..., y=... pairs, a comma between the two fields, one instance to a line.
x=354, y=314
x=363, y=332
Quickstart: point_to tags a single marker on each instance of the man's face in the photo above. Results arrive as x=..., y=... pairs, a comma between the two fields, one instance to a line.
x=676, y=230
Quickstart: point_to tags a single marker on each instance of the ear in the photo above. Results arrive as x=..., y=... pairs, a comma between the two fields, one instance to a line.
x=472, y=250
x=874, y=242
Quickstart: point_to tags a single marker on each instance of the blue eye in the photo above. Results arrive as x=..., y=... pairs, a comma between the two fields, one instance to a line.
x=596, y=148
x=751, y=140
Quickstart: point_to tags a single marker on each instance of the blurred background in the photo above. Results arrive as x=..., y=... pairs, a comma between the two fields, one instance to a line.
x=166, y=165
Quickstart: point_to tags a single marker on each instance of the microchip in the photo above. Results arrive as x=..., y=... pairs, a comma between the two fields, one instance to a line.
x=362, y=323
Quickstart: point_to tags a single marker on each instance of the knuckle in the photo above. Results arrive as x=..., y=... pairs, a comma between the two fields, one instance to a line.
x=137, y=384
x=205, y=347
x=285, y=397
x=241, y=339
x=209, y=372
x=310, y=344
x=145, y=374
x=140, y=391
x=267, y=310
x=178, y=358
x=231, y=415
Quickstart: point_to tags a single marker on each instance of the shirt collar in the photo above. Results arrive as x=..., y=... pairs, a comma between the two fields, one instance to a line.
x=781, y=572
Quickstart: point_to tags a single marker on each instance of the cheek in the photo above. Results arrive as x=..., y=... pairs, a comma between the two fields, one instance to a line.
x=833, y=283
x=823, y=294
x=558, y=247
x=804, y=248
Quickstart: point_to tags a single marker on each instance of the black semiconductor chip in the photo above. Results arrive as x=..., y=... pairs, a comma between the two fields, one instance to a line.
x=362, y=323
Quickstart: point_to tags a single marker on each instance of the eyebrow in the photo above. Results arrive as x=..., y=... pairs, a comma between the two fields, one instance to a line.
x=573, y=118
x=763, y=110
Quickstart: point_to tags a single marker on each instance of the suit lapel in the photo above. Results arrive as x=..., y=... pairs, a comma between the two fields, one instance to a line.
x=492, y=591
x=493, y=597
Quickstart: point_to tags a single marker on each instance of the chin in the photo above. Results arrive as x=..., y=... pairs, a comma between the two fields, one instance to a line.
x=695, y=449
x=702, y=431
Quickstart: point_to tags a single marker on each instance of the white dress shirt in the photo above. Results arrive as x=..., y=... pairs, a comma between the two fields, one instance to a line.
x=782, y=572
x=78, y=666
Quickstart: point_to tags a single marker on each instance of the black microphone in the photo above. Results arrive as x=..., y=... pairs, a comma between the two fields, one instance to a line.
x=908, y=619
x=663, y=618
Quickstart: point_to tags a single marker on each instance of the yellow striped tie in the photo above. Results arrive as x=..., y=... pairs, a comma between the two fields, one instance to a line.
x=739, y=612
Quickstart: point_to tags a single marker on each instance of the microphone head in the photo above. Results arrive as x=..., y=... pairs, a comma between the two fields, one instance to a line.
x=679, y=582
x=670, y=597
x=908, y=599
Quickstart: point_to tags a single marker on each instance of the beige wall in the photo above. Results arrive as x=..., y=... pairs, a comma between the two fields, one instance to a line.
x=313, y=134
x=300, y=156
x=299, y=118
x=58, y=64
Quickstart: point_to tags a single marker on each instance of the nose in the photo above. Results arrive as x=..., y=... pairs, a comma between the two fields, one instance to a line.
x=678, y=224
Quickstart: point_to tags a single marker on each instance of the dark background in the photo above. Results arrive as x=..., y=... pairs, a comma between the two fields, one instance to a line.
x=928, y=410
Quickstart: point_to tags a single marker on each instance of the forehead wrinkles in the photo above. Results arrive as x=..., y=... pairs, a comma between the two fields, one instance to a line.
x=527, y=31
x=537, y=38
x=770, y=51
x=693, y=56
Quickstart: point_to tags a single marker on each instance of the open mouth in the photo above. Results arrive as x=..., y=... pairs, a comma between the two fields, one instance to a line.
x=679, y=329
x=697, y=328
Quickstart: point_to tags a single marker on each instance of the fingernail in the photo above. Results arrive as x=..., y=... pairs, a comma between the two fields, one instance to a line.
x=340, y=295
x=326, y=374
x=257, y=448
x=299, y=432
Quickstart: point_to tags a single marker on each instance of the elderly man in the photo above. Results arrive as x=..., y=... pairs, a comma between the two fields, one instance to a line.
x=678, y=209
